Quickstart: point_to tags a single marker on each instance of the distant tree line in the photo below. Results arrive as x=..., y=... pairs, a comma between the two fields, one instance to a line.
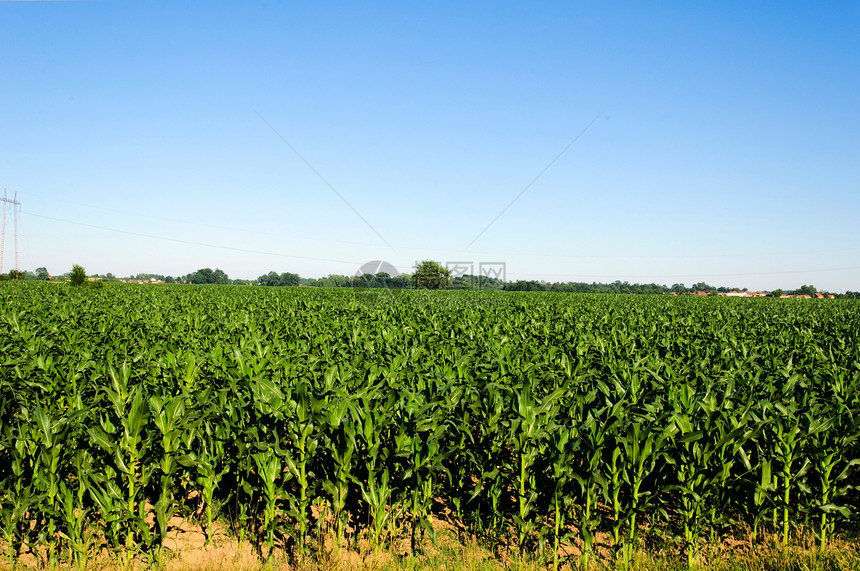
x=584, y=287
x=472, y=282
x=380, y=280
x=429, y=275
x=40, y=274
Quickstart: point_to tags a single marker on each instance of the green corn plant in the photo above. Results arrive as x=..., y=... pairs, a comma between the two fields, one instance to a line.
x=375, y=424
x=419, y=441
x=789, y=451
x=787, y=425
x=36, y=445
x=639, y=452
x=171, y=419
x=302, y=432
x=562, y=449
x=53, y=454
x=110, y=500
x=75, y=508
x=121, y=436
x=242, y=433
x=693, y=481
x=761, y=477
x=205, y=457
x=706, y=445
x=615, y=471
x=834, y=473
x=764, y=486
x=342, y=450
x=269, y=405
x=14, y=511
x=833, y=432
x=491, y=459
x=462, y=405
x=256, y=416
x=737, y=431
x=270, y=470
x=74, y=532
x=377, y=493
x=19, y=496
x=528, y=434
x=591, y=480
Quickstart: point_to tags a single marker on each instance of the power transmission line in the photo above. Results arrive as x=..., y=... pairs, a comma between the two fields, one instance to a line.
x=192, y=242
x=15, y=207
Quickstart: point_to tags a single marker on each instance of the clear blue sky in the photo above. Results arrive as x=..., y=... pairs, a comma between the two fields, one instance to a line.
x=726, y=147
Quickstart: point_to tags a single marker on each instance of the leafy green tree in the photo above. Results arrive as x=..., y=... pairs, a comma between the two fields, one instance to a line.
x=338, y=280
x=806, y=290
x=209, y=276
x=284, y=279
x=42, y=274
x=16, y=275
x=290, y=279
x=431, y=275
x=270, y=279
x=203, y=276
x=78, y=275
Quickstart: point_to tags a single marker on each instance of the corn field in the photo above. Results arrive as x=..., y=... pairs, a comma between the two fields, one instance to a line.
x=536, y=421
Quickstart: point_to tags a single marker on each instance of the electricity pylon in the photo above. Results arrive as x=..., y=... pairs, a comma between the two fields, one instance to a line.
x=15, y=205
